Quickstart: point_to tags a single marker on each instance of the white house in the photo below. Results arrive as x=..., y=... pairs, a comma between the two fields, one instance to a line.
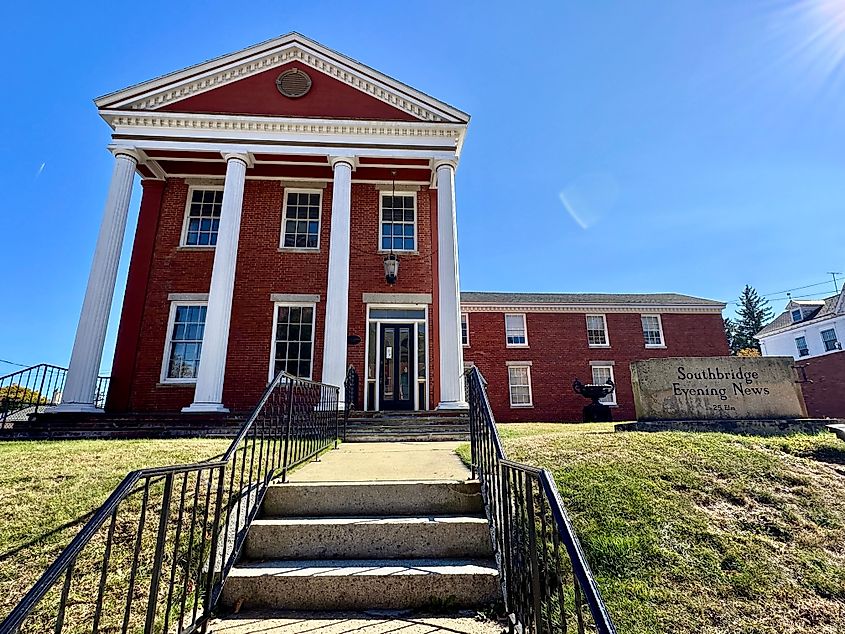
x=806, y=329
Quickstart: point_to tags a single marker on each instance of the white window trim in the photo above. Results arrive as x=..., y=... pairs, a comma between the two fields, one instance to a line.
x=662, y=343
x=465, y=317
x=168, y=342
x=527, y=366
x=606, y=330
x=382, y=196
x=299, y=190
x=276, y=306
x=524, y=329
x=183, y=238
x=837, y=347
x=806, y=345
x=593, y=366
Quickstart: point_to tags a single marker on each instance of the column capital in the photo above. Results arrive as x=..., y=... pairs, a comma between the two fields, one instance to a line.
x=445, y=163
x=243, y=157
x=352, y=161
x=120, y=150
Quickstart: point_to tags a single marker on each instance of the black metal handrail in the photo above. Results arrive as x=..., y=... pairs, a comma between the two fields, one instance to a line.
x=545, y=587
x=29, y=390
x=350, y=391
x=178, y=530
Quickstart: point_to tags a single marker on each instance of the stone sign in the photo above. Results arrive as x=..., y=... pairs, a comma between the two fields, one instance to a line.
x=713, y=388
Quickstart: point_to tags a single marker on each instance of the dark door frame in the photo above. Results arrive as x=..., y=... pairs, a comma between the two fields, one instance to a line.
x=396, y=403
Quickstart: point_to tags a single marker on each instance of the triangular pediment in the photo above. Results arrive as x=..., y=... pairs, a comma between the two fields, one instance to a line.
x=244, y=83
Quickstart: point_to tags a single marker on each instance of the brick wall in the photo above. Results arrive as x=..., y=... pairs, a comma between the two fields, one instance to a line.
x=824, y=395
x=262, y=269
x=559, y=354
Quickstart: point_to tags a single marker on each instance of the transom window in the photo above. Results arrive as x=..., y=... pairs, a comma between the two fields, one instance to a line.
x=464, y=329
x=519, y=382
x=829, y=340
x=597, y=331
x=601, y=375
x=398, y=223
x=184, y=342
x=301, y=226
x=202, y=218
x=652, y=331
x=516, y=334
x=801, y=344
x=293, y=343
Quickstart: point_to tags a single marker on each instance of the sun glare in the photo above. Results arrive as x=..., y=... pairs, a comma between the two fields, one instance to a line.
x=816, y=31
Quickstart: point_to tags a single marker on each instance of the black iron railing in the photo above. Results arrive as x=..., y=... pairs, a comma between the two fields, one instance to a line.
x=33, y=389
x=546, y=581
x=154, y=556
x=350, y=390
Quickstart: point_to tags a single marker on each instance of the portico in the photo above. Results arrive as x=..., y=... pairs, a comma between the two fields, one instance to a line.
x=270, y=225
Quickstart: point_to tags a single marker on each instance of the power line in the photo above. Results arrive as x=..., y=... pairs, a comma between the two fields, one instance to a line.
x=20, y=365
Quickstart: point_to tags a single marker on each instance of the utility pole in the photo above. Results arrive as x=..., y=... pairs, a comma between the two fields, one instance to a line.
x=834, y=274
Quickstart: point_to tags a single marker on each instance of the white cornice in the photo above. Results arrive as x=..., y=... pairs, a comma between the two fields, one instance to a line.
x=193, y=121
x=470, y=307
x=209, y=75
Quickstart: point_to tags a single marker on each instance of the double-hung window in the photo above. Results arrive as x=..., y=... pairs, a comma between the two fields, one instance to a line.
x=464, y=330
x=202, y=217
x=829, y=340
x=301, y=219
x=516, y=332
x=796, y=315
x=601, y=375
x=597, y=331
x=398, y=222
x=652, y=331
x=801, y=344
x=293, y=340
x=519, y=385
x=184, y=342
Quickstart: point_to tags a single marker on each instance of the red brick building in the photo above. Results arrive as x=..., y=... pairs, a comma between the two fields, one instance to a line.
x=281, y=184
x=282, y=187
x=530, y=347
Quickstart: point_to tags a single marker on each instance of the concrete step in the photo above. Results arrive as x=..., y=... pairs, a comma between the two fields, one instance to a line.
x=386, y=498
x=418, y=537
x=374, y=622
x=387, y=437
x=838, y=429
x=362, y=584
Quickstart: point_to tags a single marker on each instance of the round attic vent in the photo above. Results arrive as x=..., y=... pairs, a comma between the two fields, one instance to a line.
x=293, y=83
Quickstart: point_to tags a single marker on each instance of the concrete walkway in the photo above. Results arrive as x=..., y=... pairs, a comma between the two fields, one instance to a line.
x=381, y=461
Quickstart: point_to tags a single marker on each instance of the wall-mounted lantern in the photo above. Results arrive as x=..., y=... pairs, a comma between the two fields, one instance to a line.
x=391, y=268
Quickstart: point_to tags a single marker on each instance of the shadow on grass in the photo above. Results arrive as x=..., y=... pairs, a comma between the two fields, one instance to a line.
x=829, y=455
x=43, y=536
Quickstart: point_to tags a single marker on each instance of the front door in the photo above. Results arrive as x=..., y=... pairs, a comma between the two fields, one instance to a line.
x=396, y=380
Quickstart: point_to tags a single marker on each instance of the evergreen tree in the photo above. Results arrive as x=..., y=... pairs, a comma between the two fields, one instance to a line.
x=753, y=313
x=730, y=333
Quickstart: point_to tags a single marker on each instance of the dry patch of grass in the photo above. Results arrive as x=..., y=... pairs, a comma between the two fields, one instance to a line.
x=49, y=489
x=703, y=533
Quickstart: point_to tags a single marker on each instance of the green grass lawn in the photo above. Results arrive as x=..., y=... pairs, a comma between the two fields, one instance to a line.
x=49, y=489
x=703, y=533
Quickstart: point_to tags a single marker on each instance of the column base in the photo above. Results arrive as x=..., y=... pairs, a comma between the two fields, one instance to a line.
x=75, y=408
x=205, y=408
x=453, y=405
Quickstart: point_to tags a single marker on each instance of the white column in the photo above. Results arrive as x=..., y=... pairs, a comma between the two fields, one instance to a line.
x=337, y=293
x=81, y=382
x=449, y=310
x=208, y=394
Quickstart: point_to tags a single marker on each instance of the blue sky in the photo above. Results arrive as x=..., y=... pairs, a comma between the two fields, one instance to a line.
x=614, y=146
